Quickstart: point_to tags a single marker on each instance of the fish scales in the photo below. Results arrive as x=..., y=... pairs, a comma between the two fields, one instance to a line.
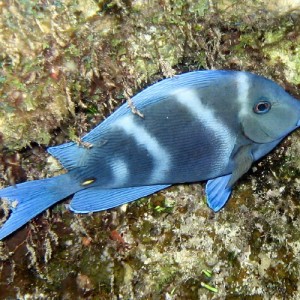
x=177, y=138
x=202, y=125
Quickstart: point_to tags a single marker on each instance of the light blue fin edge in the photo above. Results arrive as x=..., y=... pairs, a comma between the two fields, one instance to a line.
x=158, y=92
x=217, y=192
x=95, y=199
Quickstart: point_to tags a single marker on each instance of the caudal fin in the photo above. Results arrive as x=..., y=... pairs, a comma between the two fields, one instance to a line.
x=28, y=199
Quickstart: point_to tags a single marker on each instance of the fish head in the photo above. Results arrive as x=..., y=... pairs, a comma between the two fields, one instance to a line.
x=269, y=113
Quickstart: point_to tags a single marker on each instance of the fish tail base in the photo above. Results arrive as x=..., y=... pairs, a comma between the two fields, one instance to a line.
x=28, y=199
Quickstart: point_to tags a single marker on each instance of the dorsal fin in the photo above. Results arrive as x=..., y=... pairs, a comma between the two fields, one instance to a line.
x=68, y=154
x=157, y=92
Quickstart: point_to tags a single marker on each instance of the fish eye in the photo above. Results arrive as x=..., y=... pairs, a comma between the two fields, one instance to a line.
x=262, y=107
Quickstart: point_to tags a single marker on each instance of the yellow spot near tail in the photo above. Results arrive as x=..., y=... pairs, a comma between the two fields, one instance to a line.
x=88, y=181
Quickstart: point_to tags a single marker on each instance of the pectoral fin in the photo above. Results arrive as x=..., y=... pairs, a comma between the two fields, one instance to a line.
x=218, y=190
x=243, y=160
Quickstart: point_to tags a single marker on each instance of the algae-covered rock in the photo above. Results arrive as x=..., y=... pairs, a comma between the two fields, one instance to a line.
x=66, y=65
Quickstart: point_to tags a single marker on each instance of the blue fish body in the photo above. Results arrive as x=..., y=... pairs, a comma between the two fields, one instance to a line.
x=202, y=125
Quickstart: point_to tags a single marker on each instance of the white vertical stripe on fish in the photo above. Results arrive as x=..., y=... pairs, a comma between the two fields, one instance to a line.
x=160, y=156
x=120, y=172
x=243, y=86
x=191, y=100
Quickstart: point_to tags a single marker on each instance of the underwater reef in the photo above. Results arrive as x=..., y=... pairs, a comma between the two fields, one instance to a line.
x=65, y=66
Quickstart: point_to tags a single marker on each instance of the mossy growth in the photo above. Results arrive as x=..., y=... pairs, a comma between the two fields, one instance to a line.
x=65, y=65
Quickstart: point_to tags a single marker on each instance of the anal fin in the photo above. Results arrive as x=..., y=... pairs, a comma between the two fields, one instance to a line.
x=96, y=199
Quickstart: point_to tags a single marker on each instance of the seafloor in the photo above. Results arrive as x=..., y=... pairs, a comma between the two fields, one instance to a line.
x=65, y=65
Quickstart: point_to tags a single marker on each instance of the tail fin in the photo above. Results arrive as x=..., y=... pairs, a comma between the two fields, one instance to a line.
x=30, y=198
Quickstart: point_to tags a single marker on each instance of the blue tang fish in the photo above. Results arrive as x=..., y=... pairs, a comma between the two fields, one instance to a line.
x=202, y=125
